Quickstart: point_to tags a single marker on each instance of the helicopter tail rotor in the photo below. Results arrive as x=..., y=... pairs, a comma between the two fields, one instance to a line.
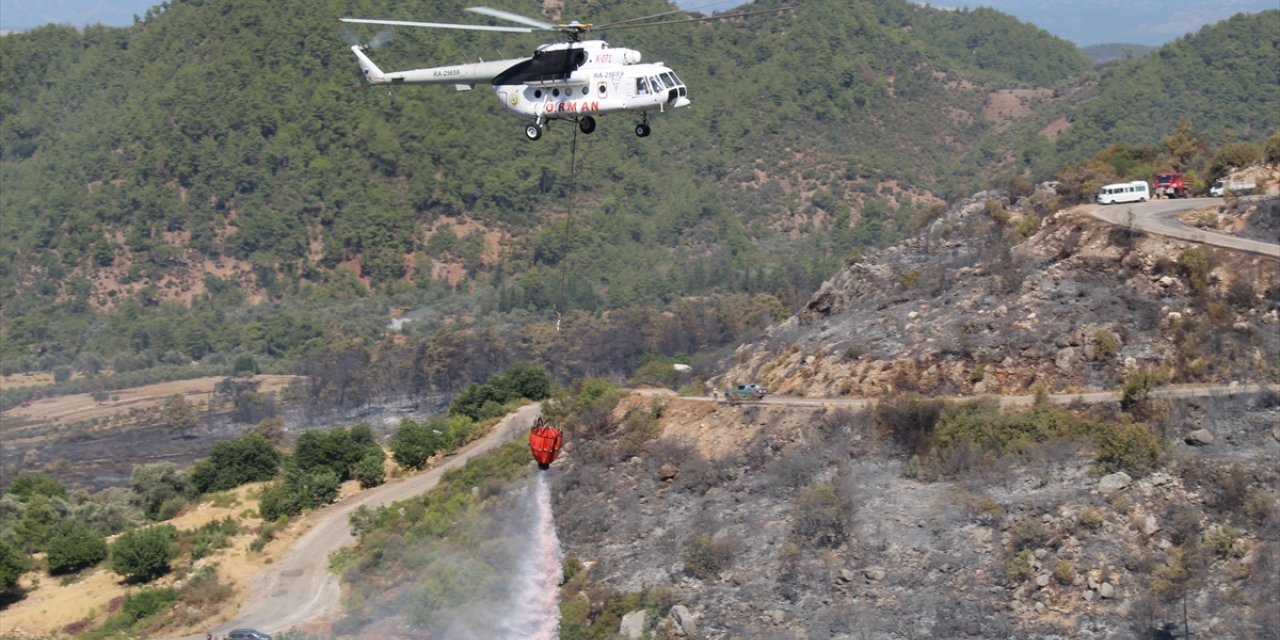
x=370, y=70
x=381, y=39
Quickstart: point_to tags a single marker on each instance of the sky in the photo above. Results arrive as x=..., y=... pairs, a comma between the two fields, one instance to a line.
x=1084, y=22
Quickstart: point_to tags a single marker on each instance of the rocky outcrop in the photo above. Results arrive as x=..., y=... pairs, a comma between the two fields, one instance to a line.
x=965, y=307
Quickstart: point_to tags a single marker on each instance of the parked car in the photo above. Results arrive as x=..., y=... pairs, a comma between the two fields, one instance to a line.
x=248, y=634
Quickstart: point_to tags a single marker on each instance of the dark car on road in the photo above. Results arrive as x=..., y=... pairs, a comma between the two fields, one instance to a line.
x=247, y=634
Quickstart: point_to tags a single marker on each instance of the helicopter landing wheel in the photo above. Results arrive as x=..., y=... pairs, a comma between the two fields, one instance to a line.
x=587, y=124
x=642, y=130
x=533, y=132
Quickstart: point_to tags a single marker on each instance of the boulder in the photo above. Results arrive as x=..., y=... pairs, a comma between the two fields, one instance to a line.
x=685, y=621
x=1199, y=438
x=1148, y=525
x=1066, y=358
x=633, y=625
x=1114, y=482
x=874, y=574
x=1107, y=591
x=668, y=471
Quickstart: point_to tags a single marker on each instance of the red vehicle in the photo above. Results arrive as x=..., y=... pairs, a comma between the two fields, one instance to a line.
x=1169, y=185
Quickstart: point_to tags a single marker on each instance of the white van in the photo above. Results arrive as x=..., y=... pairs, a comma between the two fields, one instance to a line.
x=1136, y=191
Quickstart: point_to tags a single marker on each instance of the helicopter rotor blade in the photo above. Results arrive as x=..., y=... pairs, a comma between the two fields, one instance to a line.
x=512, y=17
x=440, y=25
x=667, y=13
x=628, y=24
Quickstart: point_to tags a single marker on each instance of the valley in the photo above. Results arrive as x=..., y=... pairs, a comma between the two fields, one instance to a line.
x=271, y=341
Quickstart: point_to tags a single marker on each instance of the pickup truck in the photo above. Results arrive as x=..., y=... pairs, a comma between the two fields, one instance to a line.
x=745, y=392
x=1221, y=187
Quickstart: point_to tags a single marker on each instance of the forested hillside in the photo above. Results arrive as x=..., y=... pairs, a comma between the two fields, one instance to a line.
x=216, y=181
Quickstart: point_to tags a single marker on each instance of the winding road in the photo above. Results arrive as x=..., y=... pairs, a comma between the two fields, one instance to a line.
x=1160, y=217
x=301, y=588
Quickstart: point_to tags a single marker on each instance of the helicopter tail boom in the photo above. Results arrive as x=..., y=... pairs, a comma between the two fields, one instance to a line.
x=370, y=70
x=462, y=76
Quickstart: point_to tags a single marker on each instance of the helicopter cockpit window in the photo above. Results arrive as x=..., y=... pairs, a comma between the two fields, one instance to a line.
x=642, y=86
x=656, y=83
x=670, y=79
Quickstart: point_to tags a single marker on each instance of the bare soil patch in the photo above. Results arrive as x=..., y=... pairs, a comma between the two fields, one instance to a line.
x=81, y=406
x=50, y=606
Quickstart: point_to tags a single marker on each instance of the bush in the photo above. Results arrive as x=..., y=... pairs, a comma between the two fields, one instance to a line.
x=371, y=471
x=1091, y=517
x=1028, y=533
x=74, y=549
x=234, y=462
x=158, y=484
x=520, y=380
x=1017, y=566
x=212, y=536
x=1064, y=573
x=910, y=419
x=145, y=603
x=13, y=563
x=818, y=516
x=143, y=554
x=1131, y=447
x=25, y=486
x=706, y=556
x=1196, y=266
x=414, y=442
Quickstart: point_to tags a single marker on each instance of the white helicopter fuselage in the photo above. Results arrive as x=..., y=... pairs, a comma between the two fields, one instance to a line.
x=564, y=81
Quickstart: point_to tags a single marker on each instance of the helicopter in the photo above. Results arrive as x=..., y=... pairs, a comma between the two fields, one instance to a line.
x=574, y=80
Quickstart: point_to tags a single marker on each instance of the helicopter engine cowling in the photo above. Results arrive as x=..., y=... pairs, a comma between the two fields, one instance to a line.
x=629, y=56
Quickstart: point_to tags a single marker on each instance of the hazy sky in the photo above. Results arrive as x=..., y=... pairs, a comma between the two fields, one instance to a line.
x=1084, y=22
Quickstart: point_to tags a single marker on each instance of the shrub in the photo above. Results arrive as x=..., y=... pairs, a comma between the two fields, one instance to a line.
x=156, y=484
x=371, y=471
x=1196, y=265
x=143, y=554
x=234, y=462
x=145, y=603
x=414, y=442
x=1091, y=517
x=706, y=556
x=1017, y=566
x=25, y=486
x=74, y=549
x=1064, y=573
x=1028, y=533
x=818, y=516
x=910, y=419
x=1131, y=447
x=212, y=536
x=13, y=563
x=1029, y=225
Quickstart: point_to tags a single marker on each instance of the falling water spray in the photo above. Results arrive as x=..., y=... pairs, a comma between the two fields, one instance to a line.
x=536, y=609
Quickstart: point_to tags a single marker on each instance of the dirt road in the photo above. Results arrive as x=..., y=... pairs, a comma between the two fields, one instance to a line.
x=1160, y=217
x=1089, y=397
x=300, y=587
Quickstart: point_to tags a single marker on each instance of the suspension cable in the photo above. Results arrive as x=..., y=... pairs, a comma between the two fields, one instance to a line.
x=562, y=305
